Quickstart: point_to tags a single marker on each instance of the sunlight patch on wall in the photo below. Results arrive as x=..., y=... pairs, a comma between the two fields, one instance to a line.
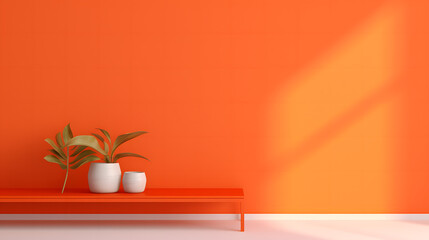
x=330, y=127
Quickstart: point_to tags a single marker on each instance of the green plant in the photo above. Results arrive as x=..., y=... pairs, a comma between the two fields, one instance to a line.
x=61, y=153
x=109, y=148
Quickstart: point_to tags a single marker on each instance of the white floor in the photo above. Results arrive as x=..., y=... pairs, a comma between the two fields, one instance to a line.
x=216, y=230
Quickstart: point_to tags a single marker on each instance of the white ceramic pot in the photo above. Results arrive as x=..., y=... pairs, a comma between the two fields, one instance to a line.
x=134, y=182
x=104, y=177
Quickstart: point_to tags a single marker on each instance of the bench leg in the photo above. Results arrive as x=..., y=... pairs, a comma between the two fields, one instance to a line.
x=242, y=216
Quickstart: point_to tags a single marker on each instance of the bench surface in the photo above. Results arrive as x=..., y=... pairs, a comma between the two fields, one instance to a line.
x=149, y=195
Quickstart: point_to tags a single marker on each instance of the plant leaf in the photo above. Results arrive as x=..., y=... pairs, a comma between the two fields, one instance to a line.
x=106, y=147
x=56, y=148
x=56, y=154
x=98, y=136
x=85, y=160
x=67, y=133
x=86, y=140
x=78, y=150
x=59, y=140
x=82, y=155
x=53, y=159
x=127, y=154
x=124, y=138
x=105, y=133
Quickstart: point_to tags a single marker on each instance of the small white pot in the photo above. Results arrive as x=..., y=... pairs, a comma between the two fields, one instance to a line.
x=104, y=177
x=134, y=182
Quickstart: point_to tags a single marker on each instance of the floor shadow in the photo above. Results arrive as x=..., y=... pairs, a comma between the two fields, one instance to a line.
x=254, y=230
x=420, y=222
x=381, y=229
x=123, y=224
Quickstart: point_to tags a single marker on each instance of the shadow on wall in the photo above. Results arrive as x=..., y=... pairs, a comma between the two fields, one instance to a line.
x=412, y=167
x=332, y=126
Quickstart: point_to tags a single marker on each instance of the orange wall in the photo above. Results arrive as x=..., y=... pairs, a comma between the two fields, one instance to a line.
x=310, y=106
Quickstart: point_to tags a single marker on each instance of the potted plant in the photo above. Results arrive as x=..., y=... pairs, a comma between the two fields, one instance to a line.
x=61, y=153
x=105, y=177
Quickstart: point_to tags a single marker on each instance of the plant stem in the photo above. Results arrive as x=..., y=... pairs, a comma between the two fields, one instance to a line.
x=67, y=172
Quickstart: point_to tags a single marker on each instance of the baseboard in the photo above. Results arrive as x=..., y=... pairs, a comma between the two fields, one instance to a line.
x=119, y=217
x=334, y=217
x=291, y=217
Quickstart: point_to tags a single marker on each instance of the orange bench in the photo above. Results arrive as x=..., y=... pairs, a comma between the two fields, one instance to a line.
x=233, y=195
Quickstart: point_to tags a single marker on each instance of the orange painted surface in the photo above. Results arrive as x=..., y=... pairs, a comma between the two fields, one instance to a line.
x=153, y=200
x=309, y=106
x=154, y=195
x=149, y=195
